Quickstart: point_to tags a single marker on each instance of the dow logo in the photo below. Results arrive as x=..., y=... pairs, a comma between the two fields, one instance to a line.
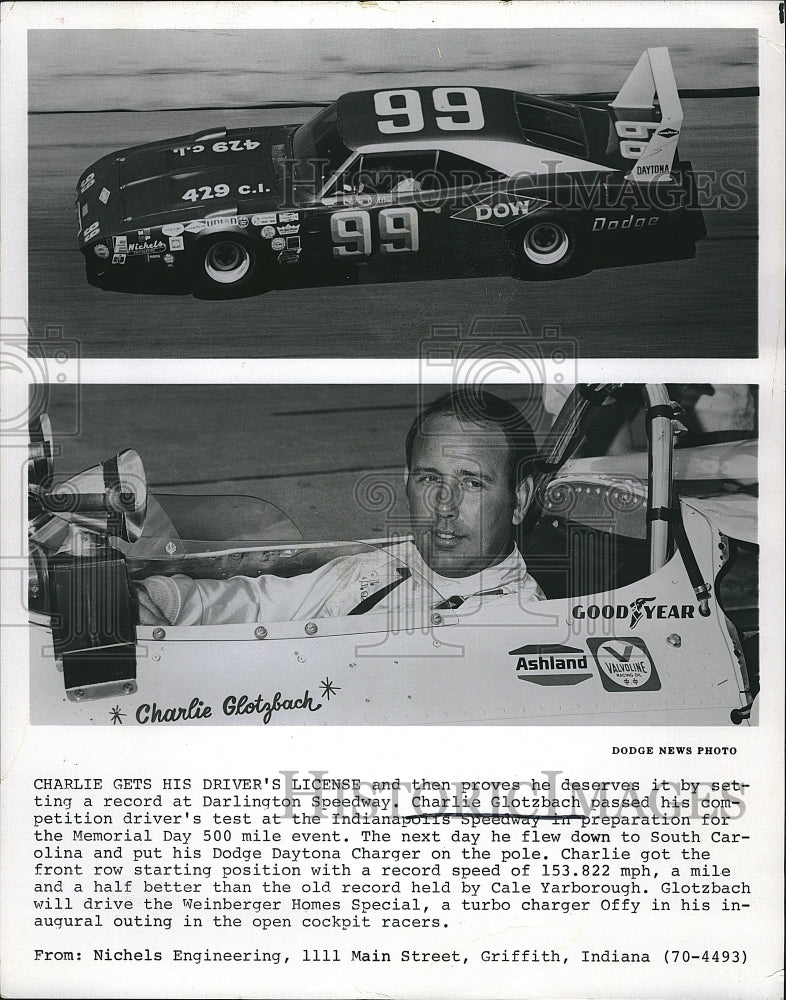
x=624, y=664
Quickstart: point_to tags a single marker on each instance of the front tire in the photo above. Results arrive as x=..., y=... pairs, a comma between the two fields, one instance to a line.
x=546, y=247
x=224, y=265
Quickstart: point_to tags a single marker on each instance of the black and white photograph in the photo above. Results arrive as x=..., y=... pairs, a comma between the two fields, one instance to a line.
x=209, y=193
x=391, y=437
x=380, y=554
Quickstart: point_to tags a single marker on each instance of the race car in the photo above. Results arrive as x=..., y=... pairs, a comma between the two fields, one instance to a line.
x=648, y=563
x=434, y=177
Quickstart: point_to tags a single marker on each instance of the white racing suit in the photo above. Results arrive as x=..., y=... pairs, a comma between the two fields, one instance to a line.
x=380, y=580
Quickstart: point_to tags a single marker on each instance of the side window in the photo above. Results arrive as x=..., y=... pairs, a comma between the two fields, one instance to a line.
x=456, y=171
x=403, y=173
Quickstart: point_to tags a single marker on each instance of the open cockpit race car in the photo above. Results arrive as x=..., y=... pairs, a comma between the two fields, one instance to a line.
x=436, y=180
x=648, y=563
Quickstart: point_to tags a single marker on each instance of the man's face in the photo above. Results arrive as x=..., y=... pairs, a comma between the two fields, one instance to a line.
x=461, y=502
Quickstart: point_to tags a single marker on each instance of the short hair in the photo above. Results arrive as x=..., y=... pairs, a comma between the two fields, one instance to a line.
x=481, y=408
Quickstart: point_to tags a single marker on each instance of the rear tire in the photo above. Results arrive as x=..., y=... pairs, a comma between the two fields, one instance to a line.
x=546, y=247
x=224, y=265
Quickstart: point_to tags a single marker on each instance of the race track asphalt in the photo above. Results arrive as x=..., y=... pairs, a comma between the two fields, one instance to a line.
x=330, y=456
x=684, y=308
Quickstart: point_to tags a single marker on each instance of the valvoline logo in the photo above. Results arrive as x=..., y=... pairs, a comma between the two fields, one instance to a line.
x=624, y=664
x=551, y=665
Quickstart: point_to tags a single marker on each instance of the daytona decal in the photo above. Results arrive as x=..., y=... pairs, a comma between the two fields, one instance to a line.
x=641, y=607
x=551, y=665
x=624, y=664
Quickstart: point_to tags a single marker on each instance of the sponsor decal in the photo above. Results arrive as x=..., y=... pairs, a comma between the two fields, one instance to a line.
x=278, y=243
x=668, y=132
x=196, y=226
x=641, y=607
x=121, y=244
x=268, y=232
x=652, y=168
x=624, y=664
x=85, y=209
x=499, y=212
x=146, y=247
x=288, y=230
x=104, y=196
x=225, y=220
x=173, y=229
x=176, y=243
x=552, y=665
x=289, y=257
x=602, y=223
x=293, y=243
x=288, y=217
x=119, y=258
x=264, y=219
x=101, y=251
x=143, y=234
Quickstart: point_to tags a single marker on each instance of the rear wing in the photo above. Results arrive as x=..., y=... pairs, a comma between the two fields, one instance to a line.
x=648, y=116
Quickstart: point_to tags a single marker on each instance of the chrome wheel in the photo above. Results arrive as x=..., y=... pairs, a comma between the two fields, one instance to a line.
x=227, y=262
x=546, y=243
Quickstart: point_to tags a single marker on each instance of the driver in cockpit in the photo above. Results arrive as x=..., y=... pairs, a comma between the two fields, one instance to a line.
x=468, y=485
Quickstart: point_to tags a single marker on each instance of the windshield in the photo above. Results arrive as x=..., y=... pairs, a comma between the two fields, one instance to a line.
x=318, y=148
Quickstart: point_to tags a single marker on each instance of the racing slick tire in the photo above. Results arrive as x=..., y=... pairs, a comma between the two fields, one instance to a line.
x=547, y=246
x=224, y=265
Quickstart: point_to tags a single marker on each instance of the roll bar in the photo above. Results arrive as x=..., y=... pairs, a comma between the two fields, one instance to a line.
x=571, y=426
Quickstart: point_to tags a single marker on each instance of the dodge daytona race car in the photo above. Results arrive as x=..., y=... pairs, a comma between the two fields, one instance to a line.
x=648, y=563
x=437, y=176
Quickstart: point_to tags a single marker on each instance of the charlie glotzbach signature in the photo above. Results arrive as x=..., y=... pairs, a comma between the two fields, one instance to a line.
x=152, y=713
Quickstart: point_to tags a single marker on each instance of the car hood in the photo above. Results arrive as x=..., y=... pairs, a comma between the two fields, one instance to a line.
x=146, y=184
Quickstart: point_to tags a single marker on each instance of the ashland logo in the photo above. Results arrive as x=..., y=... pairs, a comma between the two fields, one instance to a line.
x=551, y=665
x=624, y=664
x=641, y=607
